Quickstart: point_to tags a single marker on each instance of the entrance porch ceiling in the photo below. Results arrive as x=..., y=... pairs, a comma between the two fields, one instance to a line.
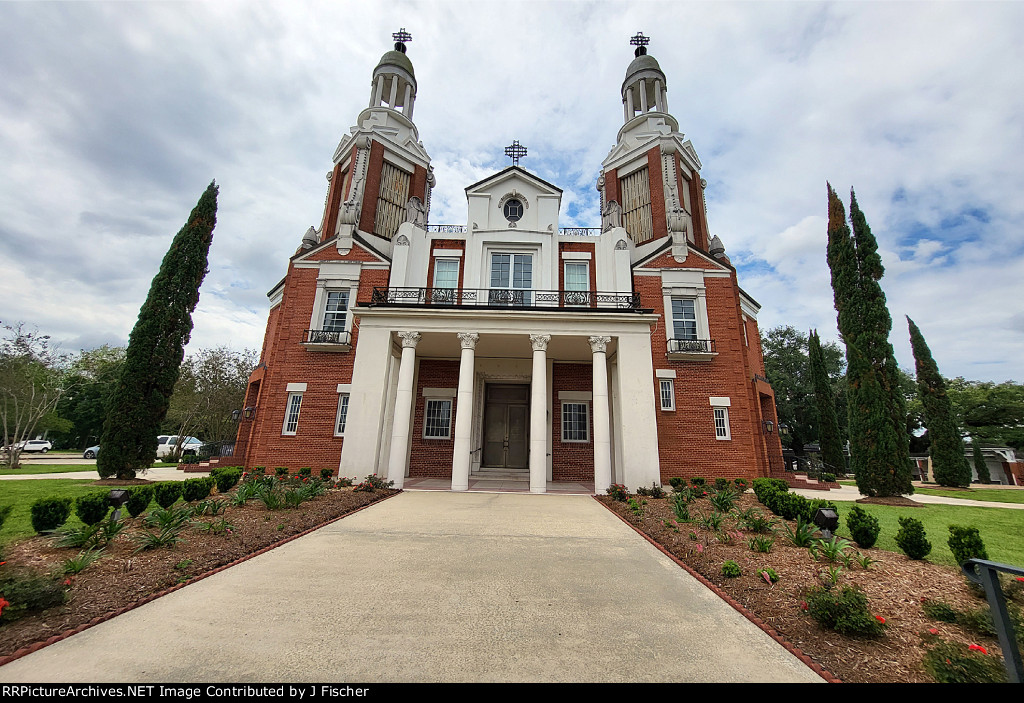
x=446, y=345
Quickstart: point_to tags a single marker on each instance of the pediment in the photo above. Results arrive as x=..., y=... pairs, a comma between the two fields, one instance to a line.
x=509, y=179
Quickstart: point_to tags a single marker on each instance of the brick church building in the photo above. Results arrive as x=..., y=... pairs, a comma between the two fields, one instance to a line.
x=508, y=345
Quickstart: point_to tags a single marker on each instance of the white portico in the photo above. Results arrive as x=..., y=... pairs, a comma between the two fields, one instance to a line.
x=503, y=349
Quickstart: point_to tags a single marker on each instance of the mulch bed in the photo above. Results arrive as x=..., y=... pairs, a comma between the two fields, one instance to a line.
x=895, y=587
x=124, y=577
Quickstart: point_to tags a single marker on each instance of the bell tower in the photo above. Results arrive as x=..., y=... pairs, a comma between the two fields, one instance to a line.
x=382, y=172
x=650, y=181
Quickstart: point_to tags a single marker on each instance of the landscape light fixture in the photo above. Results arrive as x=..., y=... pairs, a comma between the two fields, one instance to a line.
x=118, y=497
x=827, y=520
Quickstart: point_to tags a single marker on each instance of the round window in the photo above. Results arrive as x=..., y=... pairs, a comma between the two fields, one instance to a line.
x=513, y=210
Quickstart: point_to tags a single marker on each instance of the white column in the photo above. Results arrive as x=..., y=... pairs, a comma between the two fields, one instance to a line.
x=407, y=101
x=393, y=100
x=625, y=112
x=464, y=412
x=643, y=95
x=539, y=414
x=403, y=409
x=629, y=104
x=664, y=99
x=602, y=424
x=410, y=102
x=378, y=92
x=657, y=96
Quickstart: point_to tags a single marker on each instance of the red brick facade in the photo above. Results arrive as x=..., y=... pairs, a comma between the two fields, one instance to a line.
x=571, y=461
x=432, y=456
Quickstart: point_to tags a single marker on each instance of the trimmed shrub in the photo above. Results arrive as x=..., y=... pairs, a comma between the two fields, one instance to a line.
x=92, y=507
x=845, y=611
x=677, y=482
x=741, y=484
x=196, y=488
x=948, y=662
x=697, y=481
x=281, y=471
x=139, y=499
x=937, y=610
x=306, y=471
x=721, y=484
x=966, y=543
x=827, y=478
x=863, y=527
x=731, y=569
x=911, y=538
x=325, y=474
x=655, y=491
x=49, y=513
x=226, y=478
x=618, y=492
x=167, y=493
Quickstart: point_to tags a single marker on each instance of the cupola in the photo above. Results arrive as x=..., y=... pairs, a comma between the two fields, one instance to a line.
x=394, y=80
x=645, y=88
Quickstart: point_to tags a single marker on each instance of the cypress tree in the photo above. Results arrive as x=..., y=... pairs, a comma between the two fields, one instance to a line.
x=949, y=463
x=156, y=347
x=979, y=462
x=879, y=446
x=828, y=425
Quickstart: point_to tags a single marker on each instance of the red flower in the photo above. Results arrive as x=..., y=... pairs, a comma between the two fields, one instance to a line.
x=803, y=605
x=977, y=648
x=67, y=582
x=880, y=619
x=1021, y=579
x=3, y=604
x=933, y=631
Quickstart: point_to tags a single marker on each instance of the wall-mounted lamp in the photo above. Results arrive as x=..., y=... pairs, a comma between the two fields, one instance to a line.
x=249, y=413
x=769, y=426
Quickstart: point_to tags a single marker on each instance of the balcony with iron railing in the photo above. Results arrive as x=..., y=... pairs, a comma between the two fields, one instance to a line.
x=691, y=349
x=328, y=340
x=504, y=298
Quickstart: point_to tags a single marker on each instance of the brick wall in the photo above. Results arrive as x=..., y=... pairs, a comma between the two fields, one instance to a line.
x=571, y=461
x=432, y=457
x=371, y=188
x=591, y=264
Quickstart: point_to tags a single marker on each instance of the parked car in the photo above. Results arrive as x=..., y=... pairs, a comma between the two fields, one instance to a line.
x=190, y=445
x=91, y=452
x=35, y=445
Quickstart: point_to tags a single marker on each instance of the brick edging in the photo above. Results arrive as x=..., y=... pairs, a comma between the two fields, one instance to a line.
x=35, y=647
x=767, y=629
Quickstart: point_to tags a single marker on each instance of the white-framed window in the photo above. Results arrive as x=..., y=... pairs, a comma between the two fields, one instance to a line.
x=446, y=273
x=684, y=319
x=437, y=419
x=577, y=283
x=575, y=422
x=667, y=393
x=342, y=418
x=291, y=413
x=721, y=414
x=511, y=278
x=335, y=311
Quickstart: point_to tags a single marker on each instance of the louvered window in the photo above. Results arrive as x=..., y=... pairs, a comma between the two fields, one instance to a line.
x=394, y=196
x=636, y=206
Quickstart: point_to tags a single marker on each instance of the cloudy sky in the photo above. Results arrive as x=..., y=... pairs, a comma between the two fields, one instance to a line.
x=115, y=116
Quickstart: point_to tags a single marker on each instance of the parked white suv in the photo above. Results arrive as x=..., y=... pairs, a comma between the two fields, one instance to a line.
x=35, y=445
x=167, y=443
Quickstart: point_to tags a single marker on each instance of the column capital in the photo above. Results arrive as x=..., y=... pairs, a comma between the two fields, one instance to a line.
x=409, y=339
x=599, y=344
x=540, y=341
x=468, y=339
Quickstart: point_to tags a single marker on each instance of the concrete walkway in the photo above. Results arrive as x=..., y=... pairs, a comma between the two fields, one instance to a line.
x=848, y=493
x=435, y=586
x=161, y=473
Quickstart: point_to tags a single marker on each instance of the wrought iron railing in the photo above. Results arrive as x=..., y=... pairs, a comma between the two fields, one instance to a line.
x=986, y=574
x=507, y=298
x=447, y=229
x=691, y=346
x=327, y=337
x=580, y=231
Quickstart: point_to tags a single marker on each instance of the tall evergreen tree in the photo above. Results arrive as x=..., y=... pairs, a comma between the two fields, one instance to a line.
x=829, y=439
x=949, y=463
x=879, y=447
x=156, y=346
x=979, y=462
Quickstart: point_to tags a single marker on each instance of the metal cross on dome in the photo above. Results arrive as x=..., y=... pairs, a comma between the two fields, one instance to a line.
x=401, y=36
x=515, y=151
x=640, y=42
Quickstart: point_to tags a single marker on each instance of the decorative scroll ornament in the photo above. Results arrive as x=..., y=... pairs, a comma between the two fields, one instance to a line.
x=621, y=244
x=468, y=339
x=402, y=241
x=599, y=344
x=540, y=341
x=409, y=339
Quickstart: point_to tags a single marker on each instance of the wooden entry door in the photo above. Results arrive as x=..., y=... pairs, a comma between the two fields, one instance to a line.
x=506, y=426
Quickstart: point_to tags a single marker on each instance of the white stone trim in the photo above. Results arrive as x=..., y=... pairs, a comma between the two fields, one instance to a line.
x=577, y=396
x=664, y=373
x=296, y=388
x=440, y=393
x=720, y=402
x=447, y=253
x=576, y=255
x=344, y=387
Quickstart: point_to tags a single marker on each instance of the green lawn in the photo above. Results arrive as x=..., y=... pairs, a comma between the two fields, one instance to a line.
x=1000, y=529
x=22, y=494
x=48, y=469
x=988, y=495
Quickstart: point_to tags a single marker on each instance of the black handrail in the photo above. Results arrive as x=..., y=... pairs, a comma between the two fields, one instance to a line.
x=507, y=298
x=986, y=573
x=699, y=346
x=327, y=337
